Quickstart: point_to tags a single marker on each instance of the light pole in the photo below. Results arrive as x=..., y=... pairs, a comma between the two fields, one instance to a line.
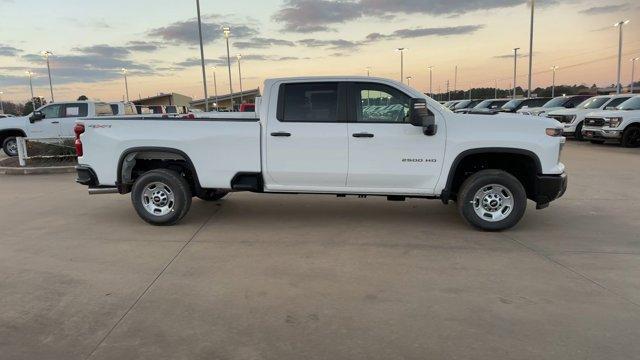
x=553, y=83
x=239, y=56
x=47, y=54
x=204, y=72
x=33, y=103
x=226, y=31
x=126, y=84
x=515, y=67
x=430, y=80
x=620, y=25
x=215, y=87
x=533, y=5
x=1, y=104
x=633, y=72
x=409, y=80
x=495, y=93
x=368, y=69
x=448, y=92
x=455, y=82
x=401, y=50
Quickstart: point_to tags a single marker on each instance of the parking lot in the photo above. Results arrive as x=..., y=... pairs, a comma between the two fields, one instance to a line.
x=315, y=277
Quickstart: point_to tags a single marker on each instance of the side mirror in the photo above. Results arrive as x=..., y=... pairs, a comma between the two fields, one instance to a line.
x=36, y=116
x=419, y=115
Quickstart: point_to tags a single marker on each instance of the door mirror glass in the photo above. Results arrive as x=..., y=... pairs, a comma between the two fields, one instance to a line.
x=36, y=116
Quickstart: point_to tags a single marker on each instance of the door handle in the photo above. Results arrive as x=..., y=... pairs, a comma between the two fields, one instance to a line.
x=55, y=122
x=281, y=133
x=363, y=135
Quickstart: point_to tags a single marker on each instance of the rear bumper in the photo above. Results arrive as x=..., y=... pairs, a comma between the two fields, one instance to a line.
x=549, y=188
x=86, y=176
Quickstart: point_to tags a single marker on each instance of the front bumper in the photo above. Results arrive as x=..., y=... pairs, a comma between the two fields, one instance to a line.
x=598, y=133
x=549, y=188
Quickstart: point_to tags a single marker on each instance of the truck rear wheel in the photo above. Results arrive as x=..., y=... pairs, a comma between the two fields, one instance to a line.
x=492, y=200
x=10, y=146
x=161, y=197
x=578, y=133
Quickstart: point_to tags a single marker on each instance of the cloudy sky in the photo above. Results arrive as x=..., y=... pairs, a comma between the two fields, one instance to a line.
x=157, y=41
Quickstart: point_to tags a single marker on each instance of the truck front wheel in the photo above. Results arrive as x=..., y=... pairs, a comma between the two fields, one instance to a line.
x=161, y=197
x=631, y=137
x=10, y=146
x=492, y=200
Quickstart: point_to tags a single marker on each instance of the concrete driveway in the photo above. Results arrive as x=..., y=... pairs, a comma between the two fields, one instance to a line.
x=316, y=277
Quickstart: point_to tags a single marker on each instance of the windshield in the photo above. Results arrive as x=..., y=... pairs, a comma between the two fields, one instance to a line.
x=512, y=104
x=631, y=104
x=593, y=103
x=557, y=102
x=463, y=104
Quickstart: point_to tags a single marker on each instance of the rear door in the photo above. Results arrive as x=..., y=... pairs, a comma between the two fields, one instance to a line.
x=386, y=152
x=69, y=114
x=306, y=138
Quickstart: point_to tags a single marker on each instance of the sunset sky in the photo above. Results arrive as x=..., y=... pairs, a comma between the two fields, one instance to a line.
x=157, y=41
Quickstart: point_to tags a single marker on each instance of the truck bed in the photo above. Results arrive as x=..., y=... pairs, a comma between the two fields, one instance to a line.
x=219, y=145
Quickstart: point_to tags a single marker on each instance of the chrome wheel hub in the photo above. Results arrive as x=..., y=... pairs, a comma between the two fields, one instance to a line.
x=493, y=202
x=12, y=146
x=158, y=199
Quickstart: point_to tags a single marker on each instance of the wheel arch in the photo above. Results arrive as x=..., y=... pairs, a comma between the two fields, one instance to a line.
x=5, y=133
x=451, y=186
x=127, y=162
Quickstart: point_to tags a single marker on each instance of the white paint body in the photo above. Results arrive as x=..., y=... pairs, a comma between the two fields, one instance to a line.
x=321, y=157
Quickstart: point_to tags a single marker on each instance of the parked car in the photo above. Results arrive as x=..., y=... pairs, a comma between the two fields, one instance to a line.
x=573, y=119
x=123, y=108
x=329, y=135
x=466, y=104
x=247, y=107
x=557, y=103
x=516, y=104
x=451, y=104
x=484, y=107
x=49, y=121
x=621, y=125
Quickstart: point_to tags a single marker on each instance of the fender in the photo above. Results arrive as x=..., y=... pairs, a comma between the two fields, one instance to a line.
x=445, y=195
x=192, y=168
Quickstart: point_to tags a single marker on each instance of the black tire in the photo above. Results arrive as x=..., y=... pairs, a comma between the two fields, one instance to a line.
x=10, y=146
x=631, y=137
x=213, y=195
x=578, y=134
x=599, y=142
x=176, y=186
x=485, y=178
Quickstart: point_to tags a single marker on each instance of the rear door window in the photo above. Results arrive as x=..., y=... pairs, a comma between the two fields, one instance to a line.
x=309, y=102
x=103, y=109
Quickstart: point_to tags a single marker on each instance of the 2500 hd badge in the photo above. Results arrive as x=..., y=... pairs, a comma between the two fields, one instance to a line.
x=418, y=160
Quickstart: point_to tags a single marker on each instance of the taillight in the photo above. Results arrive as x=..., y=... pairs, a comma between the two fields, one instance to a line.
x=189, y=116
x=78, y=129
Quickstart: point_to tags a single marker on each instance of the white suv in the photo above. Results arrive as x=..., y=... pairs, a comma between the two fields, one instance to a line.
x=572, y=119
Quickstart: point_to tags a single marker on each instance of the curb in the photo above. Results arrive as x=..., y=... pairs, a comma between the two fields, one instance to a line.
x=37, y=170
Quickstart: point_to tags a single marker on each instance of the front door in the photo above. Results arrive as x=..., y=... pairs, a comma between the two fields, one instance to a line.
x=47, y=127
x=306, y=140
x=387, y=153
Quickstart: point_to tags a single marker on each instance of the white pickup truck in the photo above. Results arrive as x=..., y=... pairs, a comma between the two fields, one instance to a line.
x=621, y=125
x=329, y=135
x=53, y=120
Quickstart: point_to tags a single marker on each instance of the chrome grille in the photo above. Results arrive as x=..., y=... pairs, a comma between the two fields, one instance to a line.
x=594, y=122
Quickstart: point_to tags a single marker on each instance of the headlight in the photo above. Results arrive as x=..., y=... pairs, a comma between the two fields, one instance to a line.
x=614, y=121
x=554, y=131
x=572, y=118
